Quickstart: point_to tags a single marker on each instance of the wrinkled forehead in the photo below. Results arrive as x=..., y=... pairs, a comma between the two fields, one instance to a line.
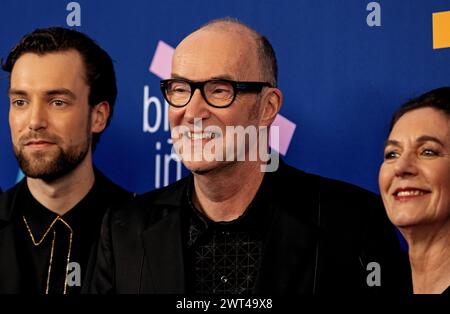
x=209, y=53
x=424, y=121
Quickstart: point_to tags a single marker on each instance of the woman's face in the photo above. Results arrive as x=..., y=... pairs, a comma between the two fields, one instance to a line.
x=414, y=178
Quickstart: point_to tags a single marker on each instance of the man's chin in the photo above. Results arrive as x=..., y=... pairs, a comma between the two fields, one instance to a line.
x=45, y=172
x=198, y=167
x=49, y=167
x=205, y=167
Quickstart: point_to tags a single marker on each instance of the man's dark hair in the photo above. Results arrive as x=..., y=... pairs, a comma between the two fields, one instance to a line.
x=438, y=99
x=99, y=69
x=266, y=53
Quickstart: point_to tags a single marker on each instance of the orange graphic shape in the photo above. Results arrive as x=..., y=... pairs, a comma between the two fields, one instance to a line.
x=441, y=30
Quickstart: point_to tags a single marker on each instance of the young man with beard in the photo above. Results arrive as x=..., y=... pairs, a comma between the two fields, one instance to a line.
x=230, y=228
x=62, y=93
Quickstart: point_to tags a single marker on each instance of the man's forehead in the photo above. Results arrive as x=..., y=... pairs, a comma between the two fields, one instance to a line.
x=53, y=73
x=223, y=36
x=62, y=64
x=216, y=50
x=69, y=55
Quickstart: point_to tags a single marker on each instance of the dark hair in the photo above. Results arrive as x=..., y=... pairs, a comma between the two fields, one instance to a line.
x=268, y=61
x=99, y=69
x=438, y=99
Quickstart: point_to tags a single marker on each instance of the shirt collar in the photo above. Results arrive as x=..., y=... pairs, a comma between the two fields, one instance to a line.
x=39, y=218
x=256, y=218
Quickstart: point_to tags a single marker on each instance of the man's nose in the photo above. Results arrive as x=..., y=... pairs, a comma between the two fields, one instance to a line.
x=37, y=117
x=197, y=108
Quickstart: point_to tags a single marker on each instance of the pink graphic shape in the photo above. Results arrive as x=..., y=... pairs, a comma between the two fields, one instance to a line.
x=162, y=60
x=286, y=131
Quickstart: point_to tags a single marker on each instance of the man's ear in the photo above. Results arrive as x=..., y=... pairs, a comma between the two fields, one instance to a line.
x=272, y=101
x=99, y=116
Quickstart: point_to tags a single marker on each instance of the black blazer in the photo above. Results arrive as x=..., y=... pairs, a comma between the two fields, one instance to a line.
x=10, y=276
x=322, y=236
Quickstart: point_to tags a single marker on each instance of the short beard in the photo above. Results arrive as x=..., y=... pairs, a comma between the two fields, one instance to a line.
x=39, y=166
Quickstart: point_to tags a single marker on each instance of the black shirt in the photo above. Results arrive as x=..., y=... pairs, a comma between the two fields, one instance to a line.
x=446, y=291
x=225, y=257
x=47, y=242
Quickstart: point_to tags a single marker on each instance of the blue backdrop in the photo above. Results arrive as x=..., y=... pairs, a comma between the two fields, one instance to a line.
x=341, y=77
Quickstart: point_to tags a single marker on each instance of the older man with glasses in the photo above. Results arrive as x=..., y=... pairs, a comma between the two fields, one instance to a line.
x=230, y=228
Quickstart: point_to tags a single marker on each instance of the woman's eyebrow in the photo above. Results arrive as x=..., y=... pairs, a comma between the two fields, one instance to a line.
x=421, y=139
x=391, y=142
x=428, y=138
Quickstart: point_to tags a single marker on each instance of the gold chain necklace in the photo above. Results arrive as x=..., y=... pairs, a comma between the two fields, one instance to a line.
x=36, y=243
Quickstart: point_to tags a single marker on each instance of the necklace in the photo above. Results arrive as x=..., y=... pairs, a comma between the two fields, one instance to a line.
x=37, y=243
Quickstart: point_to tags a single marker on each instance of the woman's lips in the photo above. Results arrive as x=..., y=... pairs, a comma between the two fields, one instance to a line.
x=408, y=193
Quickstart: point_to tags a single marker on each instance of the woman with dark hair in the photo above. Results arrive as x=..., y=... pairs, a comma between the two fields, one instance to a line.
x=414, y=182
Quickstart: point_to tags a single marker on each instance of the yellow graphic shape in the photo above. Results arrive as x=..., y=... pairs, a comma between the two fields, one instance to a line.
x=441, y=30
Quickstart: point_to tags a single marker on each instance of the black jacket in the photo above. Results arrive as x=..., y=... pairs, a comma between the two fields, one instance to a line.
x=11, y=279
x=322, y=236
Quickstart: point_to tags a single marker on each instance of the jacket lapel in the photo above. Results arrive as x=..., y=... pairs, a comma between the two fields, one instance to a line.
x=9, y=264
x=290, y=253
x=288, y=261
x=163, y=251
x=10, y=277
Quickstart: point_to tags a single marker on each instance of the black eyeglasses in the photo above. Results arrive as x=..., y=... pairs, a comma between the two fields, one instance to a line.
x=217, y=93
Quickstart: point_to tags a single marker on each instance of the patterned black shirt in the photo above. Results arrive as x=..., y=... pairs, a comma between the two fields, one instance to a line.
x=224, y=257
